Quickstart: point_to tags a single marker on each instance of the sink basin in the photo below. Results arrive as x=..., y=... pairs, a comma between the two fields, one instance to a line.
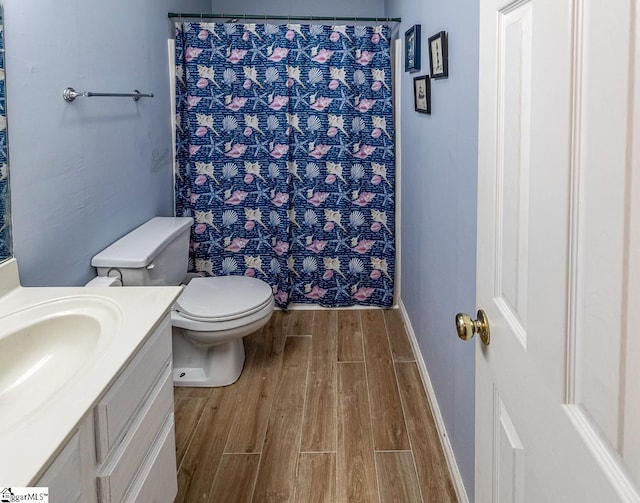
x=42, y=347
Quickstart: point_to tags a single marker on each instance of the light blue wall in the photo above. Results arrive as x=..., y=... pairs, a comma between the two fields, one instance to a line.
x=364, y=8
x=85, y=173
x=439, y=176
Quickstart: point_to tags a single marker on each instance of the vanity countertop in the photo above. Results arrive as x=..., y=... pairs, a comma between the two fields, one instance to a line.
x=29, y=444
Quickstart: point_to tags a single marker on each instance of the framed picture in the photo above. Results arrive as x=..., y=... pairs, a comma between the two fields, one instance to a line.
x=422, y=94
x=438, y=56
x=412, y=49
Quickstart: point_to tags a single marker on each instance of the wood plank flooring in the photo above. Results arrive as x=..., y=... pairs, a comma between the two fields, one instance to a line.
x=329, y=408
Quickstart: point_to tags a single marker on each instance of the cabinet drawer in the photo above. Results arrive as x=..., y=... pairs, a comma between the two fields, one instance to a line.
x=129, y=391
x=116, y=475
x=156, y=481
x=64, y=476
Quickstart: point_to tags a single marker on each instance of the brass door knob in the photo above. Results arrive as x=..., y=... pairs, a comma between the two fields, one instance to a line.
x=466, y=327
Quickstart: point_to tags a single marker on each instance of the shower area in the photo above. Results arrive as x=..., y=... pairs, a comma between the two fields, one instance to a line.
x=285, y=156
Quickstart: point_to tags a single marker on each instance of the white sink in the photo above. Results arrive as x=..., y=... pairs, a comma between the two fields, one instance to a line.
x=43, y=346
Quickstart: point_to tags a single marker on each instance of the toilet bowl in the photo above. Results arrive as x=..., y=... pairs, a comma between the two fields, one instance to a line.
x=211, y=315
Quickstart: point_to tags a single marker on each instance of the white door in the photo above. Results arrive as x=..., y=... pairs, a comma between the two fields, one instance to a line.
x=558, y=388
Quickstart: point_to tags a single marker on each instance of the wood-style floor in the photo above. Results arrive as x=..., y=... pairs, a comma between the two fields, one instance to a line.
x=329, y=408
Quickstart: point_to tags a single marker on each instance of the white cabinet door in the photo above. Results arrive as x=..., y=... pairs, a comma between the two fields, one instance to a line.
x=70, y=477
x=558, y=388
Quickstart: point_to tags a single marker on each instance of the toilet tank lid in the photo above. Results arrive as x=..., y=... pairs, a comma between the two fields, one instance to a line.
x=142, y=244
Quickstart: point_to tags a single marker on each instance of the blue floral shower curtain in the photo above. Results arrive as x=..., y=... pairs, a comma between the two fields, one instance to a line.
x=285, y=157
x=5, y=217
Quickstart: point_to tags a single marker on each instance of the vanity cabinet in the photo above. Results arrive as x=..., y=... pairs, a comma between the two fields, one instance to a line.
x=124, y=449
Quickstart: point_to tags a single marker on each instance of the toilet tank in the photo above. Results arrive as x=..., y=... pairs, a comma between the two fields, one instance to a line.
x=154, y=254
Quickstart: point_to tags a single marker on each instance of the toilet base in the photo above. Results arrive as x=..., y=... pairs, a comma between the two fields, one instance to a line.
x=206, y=366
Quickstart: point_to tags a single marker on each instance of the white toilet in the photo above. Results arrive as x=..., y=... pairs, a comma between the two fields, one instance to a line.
x=211, y=315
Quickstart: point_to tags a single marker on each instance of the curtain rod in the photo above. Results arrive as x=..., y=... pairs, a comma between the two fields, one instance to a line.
x=236, y=17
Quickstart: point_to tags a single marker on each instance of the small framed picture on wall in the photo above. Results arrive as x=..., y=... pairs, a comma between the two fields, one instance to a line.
x=439, y=55
x=422, y=94
x=412, y=49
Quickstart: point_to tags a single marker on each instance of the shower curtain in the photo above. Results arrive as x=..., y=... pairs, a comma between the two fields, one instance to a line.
x=285, y=157
x=5, y=217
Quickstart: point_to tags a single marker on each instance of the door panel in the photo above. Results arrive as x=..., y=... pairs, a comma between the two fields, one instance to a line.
x=512, y=164
x=508, y=456
x=599, y=217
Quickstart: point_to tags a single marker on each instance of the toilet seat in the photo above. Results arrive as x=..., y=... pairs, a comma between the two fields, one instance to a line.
x=223, y=298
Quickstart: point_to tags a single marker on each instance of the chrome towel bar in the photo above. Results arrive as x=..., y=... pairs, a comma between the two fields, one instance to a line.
x=69, y=94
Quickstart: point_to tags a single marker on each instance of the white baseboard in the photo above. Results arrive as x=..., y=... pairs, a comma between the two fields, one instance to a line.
x=456, y=477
